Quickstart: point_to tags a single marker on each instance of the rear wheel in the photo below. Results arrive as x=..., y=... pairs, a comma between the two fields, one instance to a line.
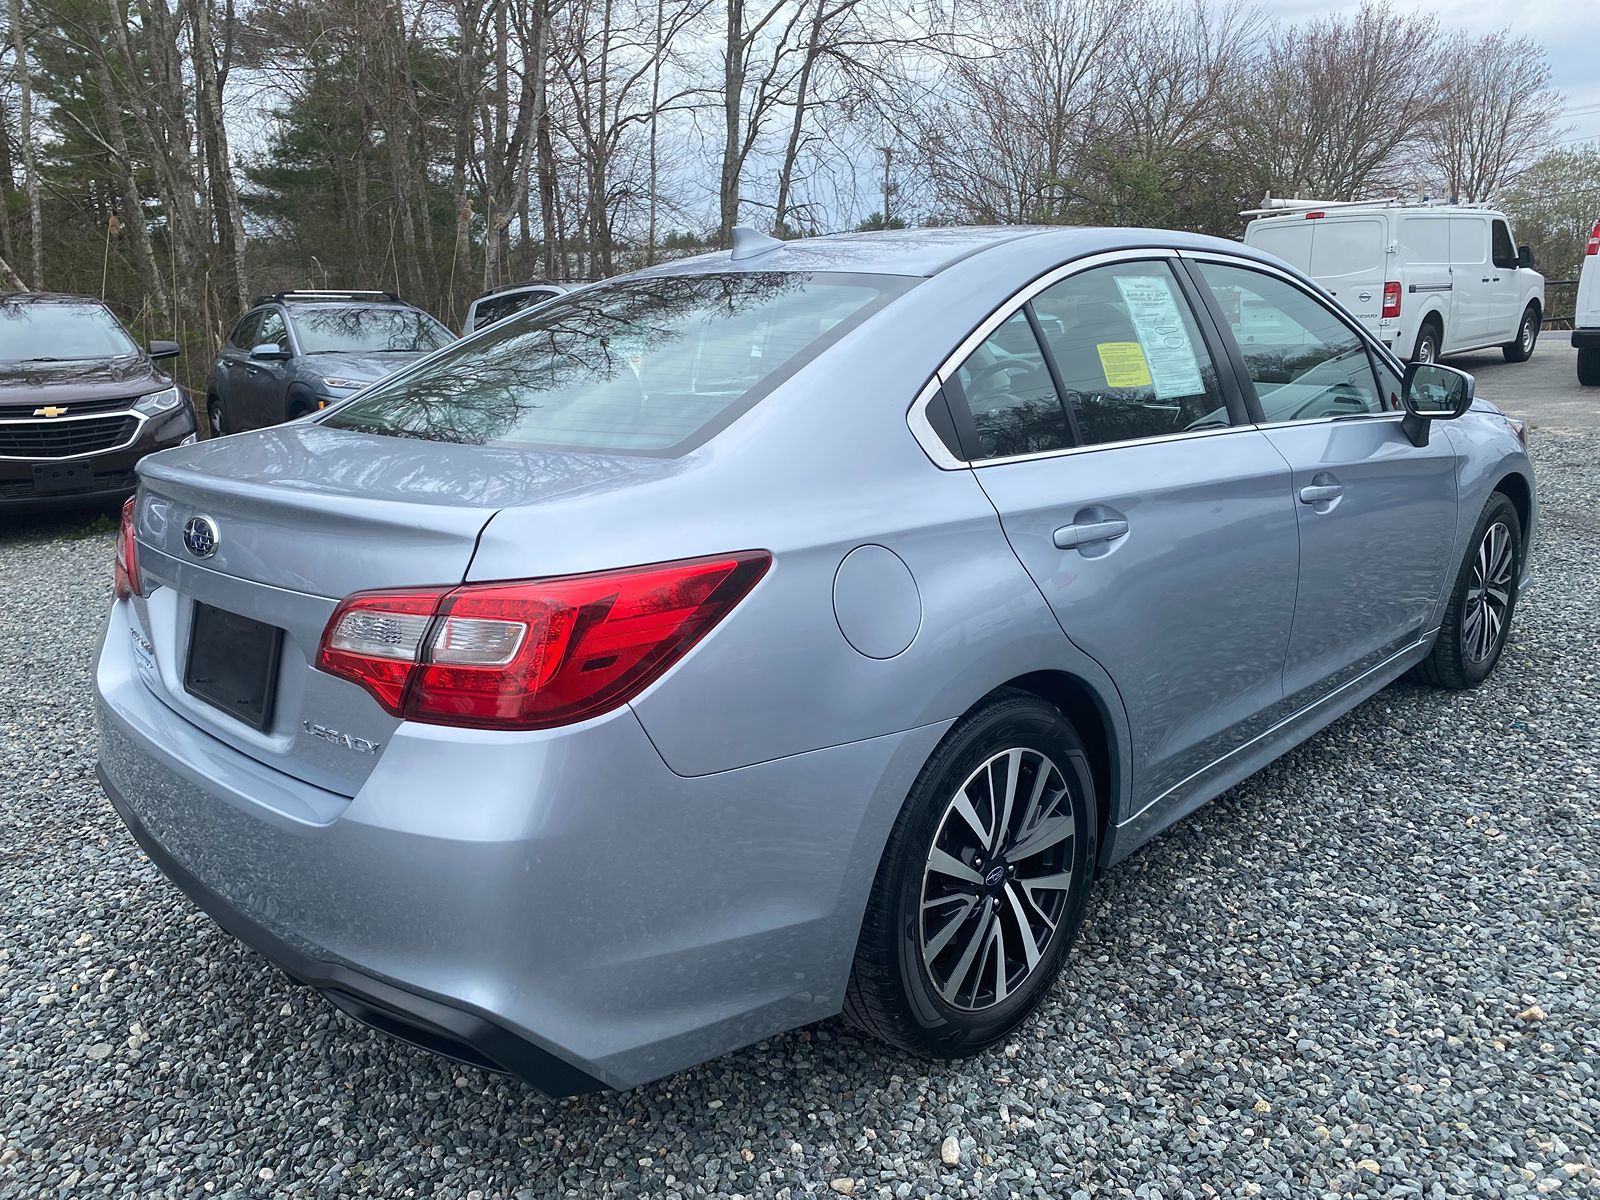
x=1589, y=367
x=215, y=417
x=1483, y=603
x=1429, y=339
x=982, y=885
x=1521, y=350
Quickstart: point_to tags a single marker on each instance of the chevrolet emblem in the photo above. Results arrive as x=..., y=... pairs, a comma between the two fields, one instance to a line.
x=49, y=410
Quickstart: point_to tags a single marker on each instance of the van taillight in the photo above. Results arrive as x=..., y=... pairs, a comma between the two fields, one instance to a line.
x=1593, y=246
x=1315, y=216
x=127, y=582
x=530, y=654
x=1391, y=299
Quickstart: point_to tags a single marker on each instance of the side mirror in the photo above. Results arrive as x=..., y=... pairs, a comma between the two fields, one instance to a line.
x=268, y=350
x=1525, y=256
x=1433, y=392
x=165, y=349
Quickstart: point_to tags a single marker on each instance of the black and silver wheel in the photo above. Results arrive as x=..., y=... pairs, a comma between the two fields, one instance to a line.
x=215, y=417
x=1483, y=603
x=1521, y=350
x=1428, y=342
x=982, y=885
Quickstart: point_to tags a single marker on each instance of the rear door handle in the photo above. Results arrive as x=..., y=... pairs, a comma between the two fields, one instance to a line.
x=1317, y=493
x=1069, y=537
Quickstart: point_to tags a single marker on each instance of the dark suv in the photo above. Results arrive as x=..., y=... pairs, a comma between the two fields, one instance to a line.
x=80, y=401
x=296, y=352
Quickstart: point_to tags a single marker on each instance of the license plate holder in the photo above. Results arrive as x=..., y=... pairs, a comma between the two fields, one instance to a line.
x=233, y=664
x=57, y=478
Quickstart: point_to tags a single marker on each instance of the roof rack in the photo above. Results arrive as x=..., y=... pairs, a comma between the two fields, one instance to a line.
x=337, y=294
x=1282, y=207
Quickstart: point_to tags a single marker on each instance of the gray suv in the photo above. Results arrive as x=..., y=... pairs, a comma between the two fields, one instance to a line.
x=296, y=352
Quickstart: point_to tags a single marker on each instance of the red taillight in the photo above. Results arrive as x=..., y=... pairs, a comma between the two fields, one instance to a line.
x=127, y=577
x=535, y=653
x=1593, y=245
x=1315, y=216
x=1391, y=299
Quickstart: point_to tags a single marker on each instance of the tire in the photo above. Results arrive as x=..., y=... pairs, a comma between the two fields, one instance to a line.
x=1429, y=341
x=908, y=986
x=299, y=405
x=1589, y=366
x=1521, y=350
x=1475, y=628
x=216, y=418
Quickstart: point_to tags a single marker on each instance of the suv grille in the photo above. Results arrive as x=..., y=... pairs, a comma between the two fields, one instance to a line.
x=61, y=438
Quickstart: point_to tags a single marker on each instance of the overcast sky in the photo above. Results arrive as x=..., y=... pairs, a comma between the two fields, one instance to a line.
x=1566, y=29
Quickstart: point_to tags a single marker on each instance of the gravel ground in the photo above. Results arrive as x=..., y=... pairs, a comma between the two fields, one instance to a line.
x=1372, y=970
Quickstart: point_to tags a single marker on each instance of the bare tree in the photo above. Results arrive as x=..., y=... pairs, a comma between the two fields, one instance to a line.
x=1496, y=112
x=30, y=166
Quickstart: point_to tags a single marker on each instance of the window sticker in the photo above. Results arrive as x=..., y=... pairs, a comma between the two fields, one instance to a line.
x=1124, y=364
x=1174, y=371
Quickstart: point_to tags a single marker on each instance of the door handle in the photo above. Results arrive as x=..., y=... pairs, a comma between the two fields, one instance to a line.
x=1319, y=493
x=1069, y=537
x=1485, y=279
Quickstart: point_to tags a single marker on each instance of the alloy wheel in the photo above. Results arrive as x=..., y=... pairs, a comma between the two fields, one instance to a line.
x=997, y=879
x=1488, y=600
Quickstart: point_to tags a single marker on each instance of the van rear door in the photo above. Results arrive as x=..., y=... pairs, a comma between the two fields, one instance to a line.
x=1348, y=257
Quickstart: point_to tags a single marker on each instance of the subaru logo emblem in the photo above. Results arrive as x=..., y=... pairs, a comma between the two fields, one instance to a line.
x=200, y=536
x=993, y=878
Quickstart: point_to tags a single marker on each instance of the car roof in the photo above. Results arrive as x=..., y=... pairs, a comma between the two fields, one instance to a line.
x=927, y=252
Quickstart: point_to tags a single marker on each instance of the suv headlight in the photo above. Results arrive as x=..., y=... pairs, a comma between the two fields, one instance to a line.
x=345, y=383
x=159, y=402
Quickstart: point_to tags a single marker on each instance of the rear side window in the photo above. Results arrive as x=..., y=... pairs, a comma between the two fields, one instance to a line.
x=647, y=366
x=1289, y=241
x=1130, y=357
x=498, y=308
x=1346, y=247
x=1006, y=388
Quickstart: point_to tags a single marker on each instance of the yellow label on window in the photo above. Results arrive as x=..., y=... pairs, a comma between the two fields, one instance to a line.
x=1124, y=364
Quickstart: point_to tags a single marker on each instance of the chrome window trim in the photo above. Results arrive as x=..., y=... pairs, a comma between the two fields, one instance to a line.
x=138, y=428
x=1362, y=335
x=939, y=453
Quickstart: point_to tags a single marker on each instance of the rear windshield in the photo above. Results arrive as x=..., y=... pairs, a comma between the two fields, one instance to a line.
x=647, y=366
x=50, y=330
x=357, y=330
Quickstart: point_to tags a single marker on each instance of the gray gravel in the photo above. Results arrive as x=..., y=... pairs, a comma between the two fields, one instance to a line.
x=1372, y=970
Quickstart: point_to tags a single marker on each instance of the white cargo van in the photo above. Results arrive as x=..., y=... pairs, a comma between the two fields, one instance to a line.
x=1425, y=279
x=1586, y=319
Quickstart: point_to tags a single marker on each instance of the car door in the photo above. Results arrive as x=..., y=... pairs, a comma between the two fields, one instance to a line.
x=1505, y=288
x=266, y=380
x=1141, y=504
x=1377, y=515
x=1470, y=275
x=231, y=377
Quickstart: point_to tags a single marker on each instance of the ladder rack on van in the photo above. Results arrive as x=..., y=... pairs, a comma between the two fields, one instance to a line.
x=1271, y=207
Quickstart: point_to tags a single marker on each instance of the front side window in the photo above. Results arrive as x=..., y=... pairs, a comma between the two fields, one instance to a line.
x=352, y=329
x=56, y=331
x=1130, y=357
x=243, y=336
x=1305, y=362
x=1505, y=254
x=653, y=365
x=1006, y=389
x=272, y=330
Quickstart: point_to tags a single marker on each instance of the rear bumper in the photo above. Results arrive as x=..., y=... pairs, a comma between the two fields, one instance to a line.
x=559, y=904
x=112, y=473
x=1586, y=339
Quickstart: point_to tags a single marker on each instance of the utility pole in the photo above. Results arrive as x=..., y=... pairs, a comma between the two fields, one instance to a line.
x=888, y=187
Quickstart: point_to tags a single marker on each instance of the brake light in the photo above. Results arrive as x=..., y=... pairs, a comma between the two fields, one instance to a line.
x=1315, y=216
x=127, y=582
x=531, y=654
x=1391, y=299
x=1593, y=246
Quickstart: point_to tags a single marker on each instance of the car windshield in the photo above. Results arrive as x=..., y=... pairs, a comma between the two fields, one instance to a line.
x=652, y=365
x=50, y=331
x=359, y=329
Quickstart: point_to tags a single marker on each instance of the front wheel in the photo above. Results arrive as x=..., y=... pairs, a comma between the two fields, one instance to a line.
x=982, y=884
x=1521, y=350
x=1482, y=604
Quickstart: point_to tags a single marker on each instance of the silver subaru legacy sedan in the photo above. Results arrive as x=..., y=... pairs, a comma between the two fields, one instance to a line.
x=784, y=631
